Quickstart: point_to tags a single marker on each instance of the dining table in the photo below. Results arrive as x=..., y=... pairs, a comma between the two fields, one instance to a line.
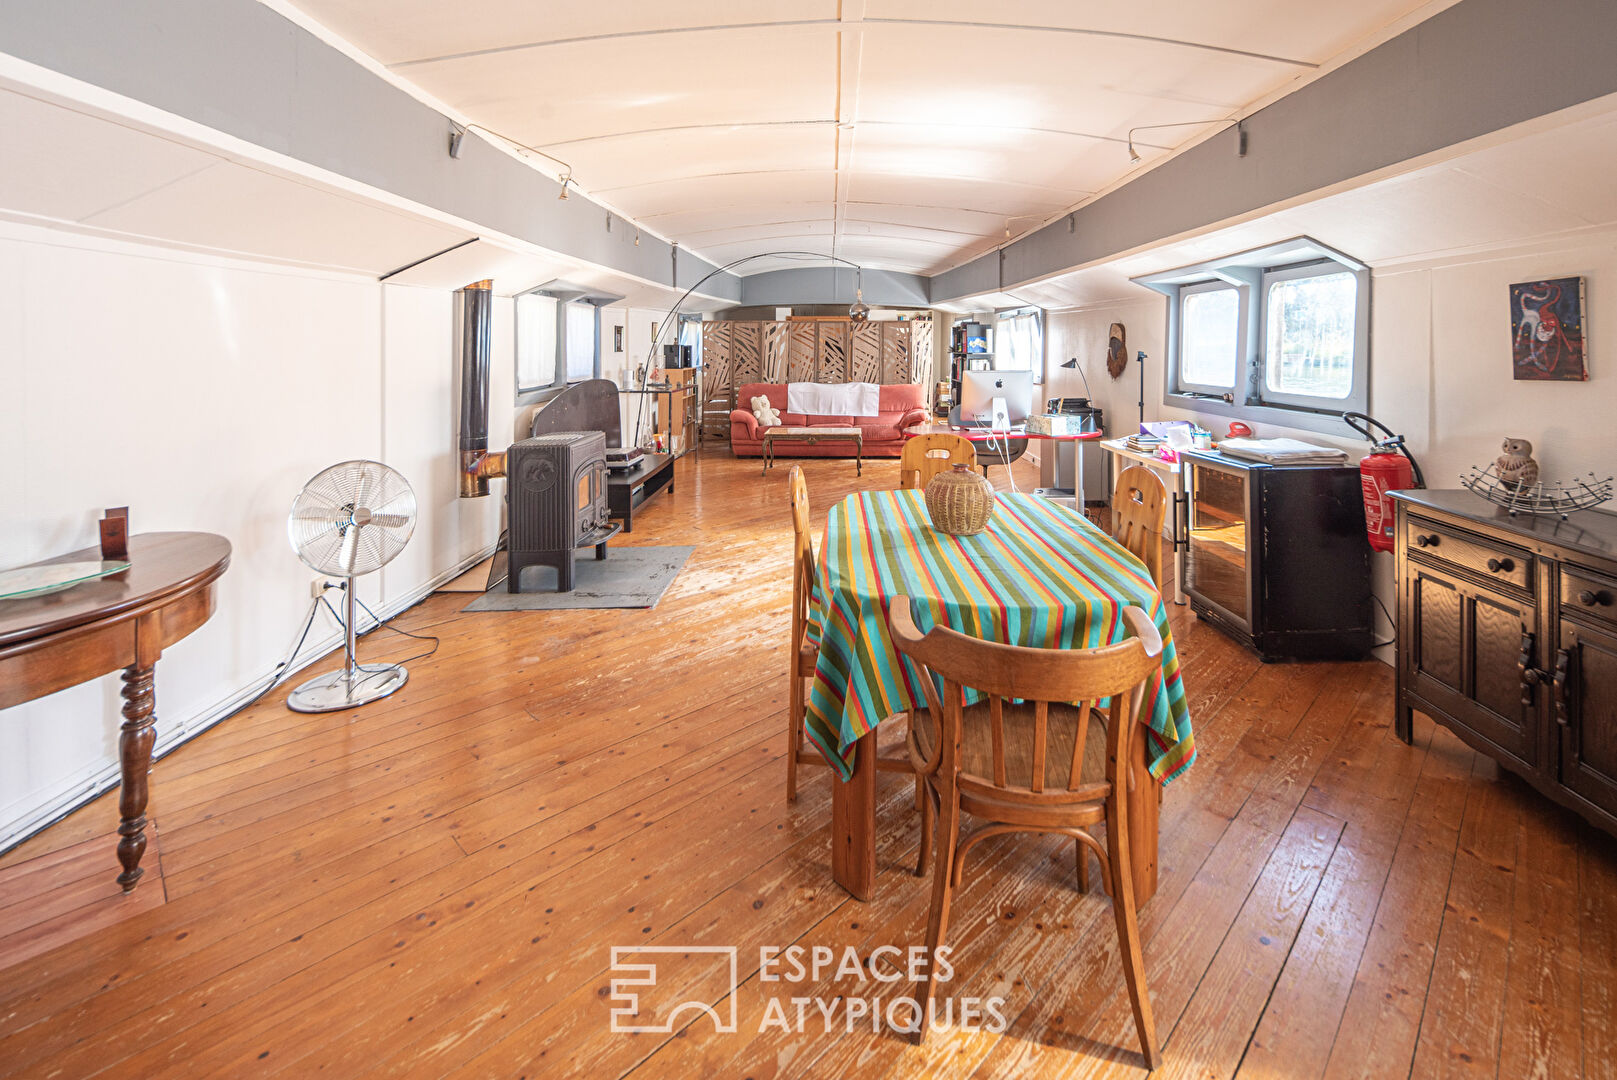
x=1041, y=575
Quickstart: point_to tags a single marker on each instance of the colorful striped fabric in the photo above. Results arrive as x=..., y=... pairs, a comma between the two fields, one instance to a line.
x=1041, y=575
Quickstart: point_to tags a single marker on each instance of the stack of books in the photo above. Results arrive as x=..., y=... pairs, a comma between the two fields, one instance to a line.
x=1146, y=444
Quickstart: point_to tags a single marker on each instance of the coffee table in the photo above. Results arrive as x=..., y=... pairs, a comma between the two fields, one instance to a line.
x=808, y=436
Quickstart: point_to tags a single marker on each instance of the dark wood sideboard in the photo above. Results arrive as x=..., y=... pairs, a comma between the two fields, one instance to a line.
x=1507, y=635
x=49, y=643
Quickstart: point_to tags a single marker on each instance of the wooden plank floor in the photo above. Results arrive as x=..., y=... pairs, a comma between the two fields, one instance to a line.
x=432, y=886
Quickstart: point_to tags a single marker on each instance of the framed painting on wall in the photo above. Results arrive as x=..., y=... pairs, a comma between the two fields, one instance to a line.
x=1547, y=332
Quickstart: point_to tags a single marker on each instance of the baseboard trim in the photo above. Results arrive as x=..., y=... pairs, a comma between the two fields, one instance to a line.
x=85, y=787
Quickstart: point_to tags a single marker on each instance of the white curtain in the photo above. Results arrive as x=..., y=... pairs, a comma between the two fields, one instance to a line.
x=580, y=341
x=536, y=341
x=1019, y=343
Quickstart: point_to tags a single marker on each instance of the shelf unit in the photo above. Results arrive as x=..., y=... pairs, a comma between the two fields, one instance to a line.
x=675, y=412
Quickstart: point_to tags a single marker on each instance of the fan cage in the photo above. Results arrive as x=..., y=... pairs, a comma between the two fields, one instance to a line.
x=352, y=518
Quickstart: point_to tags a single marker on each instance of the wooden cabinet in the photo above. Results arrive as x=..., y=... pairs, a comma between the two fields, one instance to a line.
x=1464, y=647
x=1584, y=700
x=1277, y=556
x=1507, y=635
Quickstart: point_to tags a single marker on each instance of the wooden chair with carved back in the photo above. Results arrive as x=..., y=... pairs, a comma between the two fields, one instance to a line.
x=805, y=654
x=1049, y=764
x=927, y=455
x=1138, y=507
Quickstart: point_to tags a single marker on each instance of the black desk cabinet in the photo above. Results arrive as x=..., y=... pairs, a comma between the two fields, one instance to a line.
x=1278, y=557
x=1507, y=635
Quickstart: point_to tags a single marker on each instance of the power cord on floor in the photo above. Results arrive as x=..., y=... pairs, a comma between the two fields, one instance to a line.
x=280, y=671
x=1392, y=622
x=379, y=623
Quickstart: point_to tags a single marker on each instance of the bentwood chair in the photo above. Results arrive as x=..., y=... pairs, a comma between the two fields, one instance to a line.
x=1138, y=506
x=927, y=455
x=1040, y=766
x=805, y=654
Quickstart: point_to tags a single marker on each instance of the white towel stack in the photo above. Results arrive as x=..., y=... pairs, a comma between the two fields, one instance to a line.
x=1282, y=452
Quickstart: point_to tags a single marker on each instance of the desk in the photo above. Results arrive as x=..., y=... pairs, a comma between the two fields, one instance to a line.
x=1178, y=504
x=1017, y=442
x=1077, y=440
x=1040, y=568
x=49, y=643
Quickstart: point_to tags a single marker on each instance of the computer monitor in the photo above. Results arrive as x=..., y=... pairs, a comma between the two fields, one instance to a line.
x=978, y=389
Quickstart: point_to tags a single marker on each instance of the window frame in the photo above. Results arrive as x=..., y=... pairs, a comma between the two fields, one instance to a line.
x=1295, y=272
x=1213, y=285
x=536, y=392
x=563, y=294
x=1036, y=363
x=1251, y=272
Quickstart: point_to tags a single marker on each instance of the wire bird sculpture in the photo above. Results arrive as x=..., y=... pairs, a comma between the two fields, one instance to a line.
x=1537, y=498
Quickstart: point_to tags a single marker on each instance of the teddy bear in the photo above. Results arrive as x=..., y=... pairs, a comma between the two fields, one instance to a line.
x=767, y=414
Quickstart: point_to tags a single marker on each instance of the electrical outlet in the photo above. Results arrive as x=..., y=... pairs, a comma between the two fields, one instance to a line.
x=317, y=587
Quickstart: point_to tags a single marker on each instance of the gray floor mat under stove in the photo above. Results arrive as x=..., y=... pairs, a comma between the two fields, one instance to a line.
x=629, y=577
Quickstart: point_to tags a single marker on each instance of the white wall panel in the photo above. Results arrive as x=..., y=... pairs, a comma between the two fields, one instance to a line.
x=202, y=393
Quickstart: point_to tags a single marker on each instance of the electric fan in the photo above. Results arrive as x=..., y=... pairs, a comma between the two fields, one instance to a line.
x=347, y=521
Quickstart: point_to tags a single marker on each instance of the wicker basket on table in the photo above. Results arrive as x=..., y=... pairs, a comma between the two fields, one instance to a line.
x=959, y=501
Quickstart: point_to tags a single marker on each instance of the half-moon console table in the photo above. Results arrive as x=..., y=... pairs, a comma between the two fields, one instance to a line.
x=51, y=642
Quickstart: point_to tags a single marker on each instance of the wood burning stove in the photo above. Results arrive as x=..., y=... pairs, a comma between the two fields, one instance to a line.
x=556, y=502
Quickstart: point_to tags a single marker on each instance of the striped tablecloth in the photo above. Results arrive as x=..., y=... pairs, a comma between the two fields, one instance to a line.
x=1041, y=575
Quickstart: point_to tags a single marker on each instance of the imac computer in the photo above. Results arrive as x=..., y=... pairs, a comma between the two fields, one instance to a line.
x=979, y=390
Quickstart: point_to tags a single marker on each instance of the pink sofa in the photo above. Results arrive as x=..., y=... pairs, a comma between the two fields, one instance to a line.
x=901, y=405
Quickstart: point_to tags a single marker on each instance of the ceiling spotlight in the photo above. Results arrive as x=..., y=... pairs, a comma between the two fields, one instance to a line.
x=565, y=180
x=1134, y=155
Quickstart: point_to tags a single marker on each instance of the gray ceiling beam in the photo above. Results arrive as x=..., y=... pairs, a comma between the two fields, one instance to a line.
x=241, y=68
x=832, y=285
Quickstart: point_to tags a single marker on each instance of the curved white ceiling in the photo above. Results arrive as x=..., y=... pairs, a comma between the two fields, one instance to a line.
x=906, y=135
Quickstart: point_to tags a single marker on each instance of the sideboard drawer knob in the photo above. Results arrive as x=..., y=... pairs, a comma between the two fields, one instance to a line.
x=1590, y=598
x=1501, y=566
x=1425, y=540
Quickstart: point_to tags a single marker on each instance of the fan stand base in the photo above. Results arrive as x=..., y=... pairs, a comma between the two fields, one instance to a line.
x=334, y=690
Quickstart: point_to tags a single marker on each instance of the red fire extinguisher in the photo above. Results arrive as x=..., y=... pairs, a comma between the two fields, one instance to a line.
x=1388, y=467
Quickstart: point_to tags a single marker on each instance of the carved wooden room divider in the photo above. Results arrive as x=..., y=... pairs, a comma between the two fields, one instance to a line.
x=736, y=352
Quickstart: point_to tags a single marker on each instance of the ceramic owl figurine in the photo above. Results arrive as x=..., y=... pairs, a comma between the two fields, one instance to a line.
x=1516, y=465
